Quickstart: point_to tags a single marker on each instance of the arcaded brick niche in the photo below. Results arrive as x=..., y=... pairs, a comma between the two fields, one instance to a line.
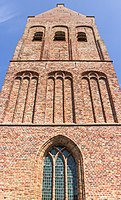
x=33, y=46
x=54, y=96
x=98, y=103
x=60, y=113
x=86, y=45
x=60, y=98
x=59, y=40
x=21, y=105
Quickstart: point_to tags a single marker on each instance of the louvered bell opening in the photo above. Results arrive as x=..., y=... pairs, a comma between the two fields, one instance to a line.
x=82, y=37
x=38, y=36
x=60, y=35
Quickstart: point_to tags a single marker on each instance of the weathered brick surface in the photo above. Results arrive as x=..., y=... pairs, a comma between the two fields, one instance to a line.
x=21, y=153
x=60, y=92
x=76, y=69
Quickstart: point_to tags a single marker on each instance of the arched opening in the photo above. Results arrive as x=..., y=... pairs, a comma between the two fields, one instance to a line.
x=59, y=175
x=38, y=36
x=60, y=47
x=62, y=174
x=81, y=36
x=59, y=35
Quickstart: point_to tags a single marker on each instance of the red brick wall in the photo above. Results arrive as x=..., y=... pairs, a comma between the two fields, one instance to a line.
x=21, y=159
x=82, y=103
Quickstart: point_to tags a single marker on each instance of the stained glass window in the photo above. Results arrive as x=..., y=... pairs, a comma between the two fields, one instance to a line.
x=59, y=178
x=59, y=175
x=72, y=179
x=47, y=179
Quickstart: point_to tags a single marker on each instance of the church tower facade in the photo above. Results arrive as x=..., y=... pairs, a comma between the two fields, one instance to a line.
x=60, y=113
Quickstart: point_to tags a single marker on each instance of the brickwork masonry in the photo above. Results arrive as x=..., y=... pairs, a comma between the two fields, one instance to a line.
x=60, y=89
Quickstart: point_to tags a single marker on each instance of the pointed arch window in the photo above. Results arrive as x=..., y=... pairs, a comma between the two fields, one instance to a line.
x=59, y=35
x=59, y=175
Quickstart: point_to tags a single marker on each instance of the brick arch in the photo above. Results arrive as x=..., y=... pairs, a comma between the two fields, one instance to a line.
x=94, y=72
x=60, y=26
x=60, y=140
x=84, y=26
x=37, y=26
x=76, y=153
x=29, y=73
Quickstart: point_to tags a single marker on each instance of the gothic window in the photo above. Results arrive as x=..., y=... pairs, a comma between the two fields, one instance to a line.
x=38, y=36
x=98, y=103
x=81, y=37
x=59, y=175
x=59, y=36
x=21, y=107
x=60, y=98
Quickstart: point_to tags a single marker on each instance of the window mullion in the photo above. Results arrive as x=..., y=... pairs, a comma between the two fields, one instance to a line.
x=80, y=180
x=53, y=180
x=66, y=179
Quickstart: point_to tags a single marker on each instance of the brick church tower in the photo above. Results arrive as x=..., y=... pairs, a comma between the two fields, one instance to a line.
x=60, y=113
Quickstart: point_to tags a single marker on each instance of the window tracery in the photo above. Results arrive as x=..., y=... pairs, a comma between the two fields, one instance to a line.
x=59, y=175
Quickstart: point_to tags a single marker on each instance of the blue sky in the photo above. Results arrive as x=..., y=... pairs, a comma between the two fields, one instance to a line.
x=13, y=15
